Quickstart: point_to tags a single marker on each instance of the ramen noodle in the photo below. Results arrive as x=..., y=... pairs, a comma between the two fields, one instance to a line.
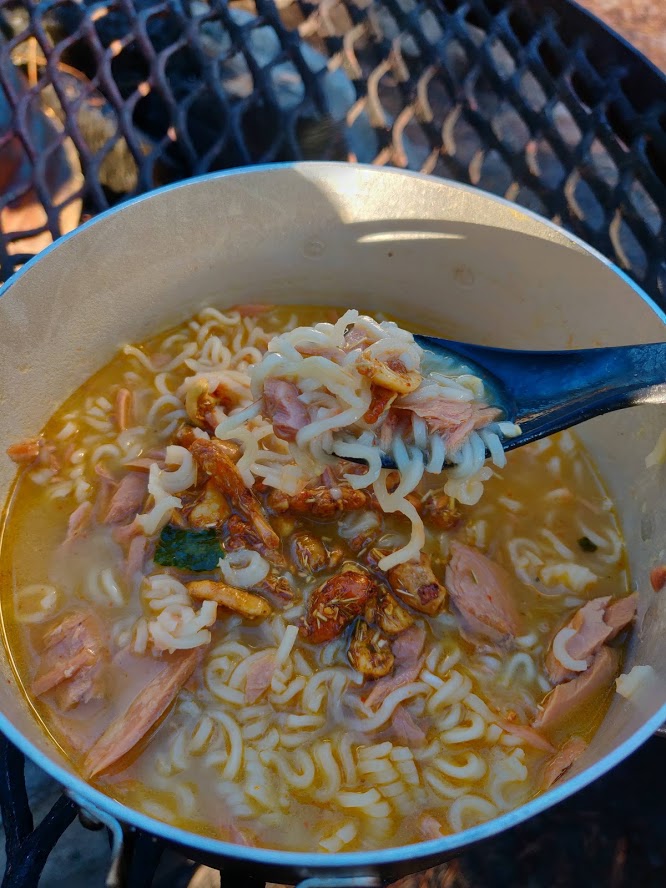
x=230, y=616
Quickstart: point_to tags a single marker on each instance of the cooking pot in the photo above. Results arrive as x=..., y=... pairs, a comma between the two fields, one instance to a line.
x=460, y=262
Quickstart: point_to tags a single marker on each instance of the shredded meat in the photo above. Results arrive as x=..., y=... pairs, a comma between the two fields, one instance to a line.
x=369, y=651
x=316, y=349
x=319, y=502
x=105, y=489
x=259, y=676
x=480, y=589
x=566, y=698
x=127, y=499
x=74, y=654
x=142, y=463
x=214, y=461
x=528, y=734
x=79, y=522
x=658, y=577
x=595, y=623
x=85, y=686
x=562, y=761
x=123, y=409
x=454, y=419
x=408, y=646
x=24, y=452
x=406, y=730
x=253, y=309
x=335, y=605
x=146, y=709
x=408, y=653
x=136, y=556
x=396, y=423
x=416, y=584
x=430, y=828
x=284, y=409
x=591, y=631
x=125, y=534
x=620, y=612
x=355, y=337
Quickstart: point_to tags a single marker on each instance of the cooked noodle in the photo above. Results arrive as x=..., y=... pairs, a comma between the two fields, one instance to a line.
x=273, y=739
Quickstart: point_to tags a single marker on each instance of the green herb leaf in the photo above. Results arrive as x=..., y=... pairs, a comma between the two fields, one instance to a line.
x=587, y=545
x=188, y=549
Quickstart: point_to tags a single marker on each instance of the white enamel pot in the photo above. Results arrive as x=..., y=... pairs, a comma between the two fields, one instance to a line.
x=463, y=263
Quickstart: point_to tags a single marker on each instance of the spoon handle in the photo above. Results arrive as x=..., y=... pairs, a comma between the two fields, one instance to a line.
x=546, y=392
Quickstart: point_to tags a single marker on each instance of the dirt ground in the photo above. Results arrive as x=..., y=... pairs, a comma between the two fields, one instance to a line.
x=641, y=22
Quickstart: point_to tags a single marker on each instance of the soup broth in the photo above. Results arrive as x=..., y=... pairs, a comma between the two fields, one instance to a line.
x=268, y=735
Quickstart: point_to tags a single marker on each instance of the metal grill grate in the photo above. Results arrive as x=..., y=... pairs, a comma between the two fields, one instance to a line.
x=527, y=99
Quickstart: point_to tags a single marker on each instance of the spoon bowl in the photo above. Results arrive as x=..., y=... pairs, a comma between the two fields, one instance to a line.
x=548, y=391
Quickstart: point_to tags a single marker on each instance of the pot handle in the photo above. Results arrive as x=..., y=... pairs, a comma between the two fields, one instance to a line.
x=117, y=874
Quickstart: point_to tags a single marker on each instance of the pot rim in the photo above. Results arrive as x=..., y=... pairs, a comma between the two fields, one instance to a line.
x=85, y=794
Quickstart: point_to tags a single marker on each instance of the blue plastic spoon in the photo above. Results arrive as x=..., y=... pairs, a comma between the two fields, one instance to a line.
x=547, y=391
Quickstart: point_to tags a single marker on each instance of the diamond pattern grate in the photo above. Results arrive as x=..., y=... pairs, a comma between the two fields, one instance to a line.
x=528, y=99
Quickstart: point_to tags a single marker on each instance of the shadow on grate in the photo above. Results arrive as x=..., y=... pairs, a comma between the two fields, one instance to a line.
x=535, y=102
